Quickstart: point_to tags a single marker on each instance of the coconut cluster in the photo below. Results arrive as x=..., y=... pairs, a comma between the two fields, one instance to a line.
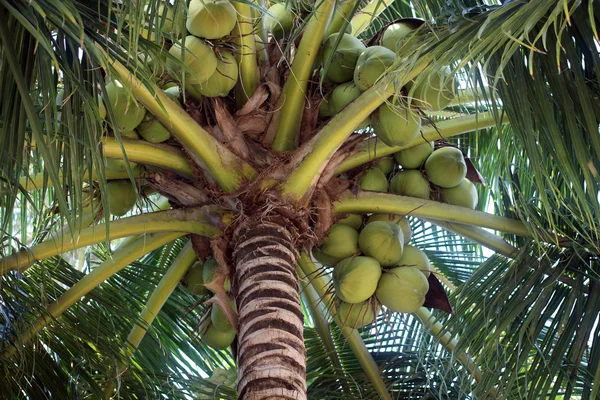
x=350, y=68
x=217, y=331
x=374, y=265
x=424, y=173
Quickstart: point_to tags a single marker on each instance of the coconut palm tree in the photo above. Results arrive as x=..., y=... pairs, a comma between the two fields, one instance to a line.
x=104, y=236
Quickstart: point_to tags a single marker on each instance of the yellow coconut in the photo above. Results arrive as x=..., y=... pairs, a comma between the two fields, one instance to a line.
x=415, y=257
x=384, y=241
x=218, y=318
x=463, y=195
x=193, y=282
x=279, y=20
x=402, y=289
x=434, y=93
x=224, y=78
x=199, y=59
x=355, y=278
x=415, y=156
x=127, y=111
x=219, y=340
x=211, y=19
x=395, y=34
x=152, y=130
x=410, y=183
x=342, y=58
x=357, y=315
x=352, y=220
x=446, y=167
x=374, y=179
x=121, y=197
x=395, y=126
x=371, y=65
x=400, y=220
x=208, y=274
x=341, y=242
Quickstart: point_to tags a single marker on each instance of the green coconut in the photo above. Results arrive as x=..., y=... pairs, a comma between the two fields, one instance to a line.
x=374, y=179
x=357, y=315
x=463, y=195
x=323, y=258
x=101, y=108
x=352, y=220
x=386, y=164
x=199, y=59
x=342, y=95
x=208, y=274
x=152, y=130
x=415, y=257
x=167, y=19
x=211, y=19
x=260, y=49
x=355, y=278
x=415, y=156
x=224, y=78
x=127, y=111
x=446, y=167
x=193, y=281
x=371, y=64
x=173, y=92
x=217, y=339
x=343, y=57
x=384, y=241
x=130, y=135
x=121, y=197
x=394, y=126
x=279, y=20
x=395, y=34
x=400, y=220
x=410, y=183
x=325, y=109
x=218, y=318
x=434, y=93
x=402, y=289
x=341, y=242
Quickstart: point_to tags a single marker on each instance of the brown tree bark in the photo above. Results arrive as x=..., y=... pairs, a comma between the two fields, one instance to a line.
x=271, y=352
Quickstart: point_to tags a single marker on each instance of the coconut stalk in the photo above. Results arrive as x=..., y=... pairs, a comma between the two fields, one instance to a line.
x=140, y=151
x=365, y=202
x=312, y=301
x=34, y=182
x=291, y=102
x=321, y=283
x=316, y=153
x=202, y=221
x=249, y=75
x=156, y=301
x=481, y=236
x=364, y=17
x=372, y=148
x=228, y=170
x=120, y=258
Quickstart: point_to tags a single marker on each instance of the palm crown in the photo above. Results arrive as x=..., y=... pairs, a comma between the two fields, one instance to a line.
x=270, y=128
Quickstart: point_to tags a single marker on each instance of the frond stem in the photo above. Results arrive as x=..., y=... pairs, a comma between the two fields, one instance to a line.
x=249, y=74
x=120, y=259
x=202, y=221
x=383, y=203
x=155, y=302
x=292, y=98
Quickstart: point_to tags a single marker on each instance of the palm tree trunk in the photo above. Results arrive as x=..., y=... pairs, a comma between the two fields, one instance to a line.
x=271, y=352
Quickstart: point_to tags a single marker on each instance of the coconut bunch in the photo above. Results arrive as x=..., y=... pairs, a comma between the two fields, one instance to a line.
x=217, y=332
x=373, y=265
x=435, y=174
